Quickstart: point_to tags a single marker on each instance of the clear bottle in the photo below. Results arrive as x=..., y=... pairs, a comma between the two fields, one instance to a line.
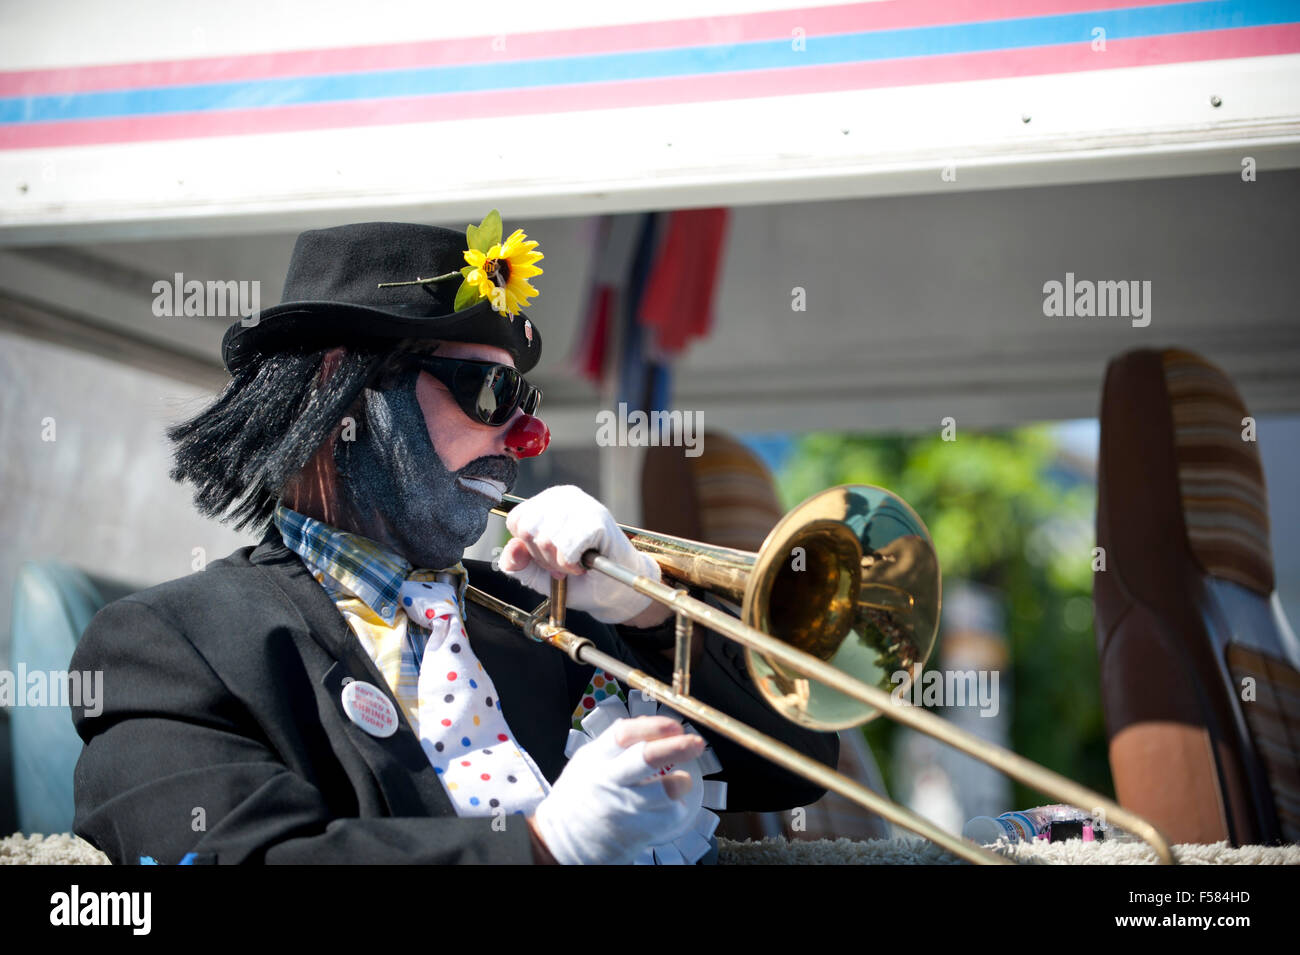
x=1021, y=825
x=1010, y=826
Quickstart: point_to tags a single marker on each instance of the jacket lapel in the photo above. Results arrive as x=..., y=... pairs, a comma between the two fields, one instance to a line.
x=402, y=771
x=530, y=679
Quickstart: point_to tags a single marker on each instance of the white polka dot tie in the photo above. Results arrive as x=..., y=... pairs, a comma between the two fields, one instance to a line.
x=461, y=727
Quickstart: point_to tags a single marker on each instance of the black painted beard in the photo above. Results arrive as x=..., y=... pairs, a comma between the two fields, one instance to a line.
x=395, y=489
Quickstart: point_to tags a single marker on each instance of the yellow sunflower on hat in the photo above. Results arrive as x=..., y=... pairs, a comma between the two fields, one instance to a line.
x=498, y=271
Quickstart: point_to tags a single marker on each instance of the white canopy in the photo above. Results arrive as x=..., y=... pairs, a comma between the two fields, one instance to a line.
x=921, y=176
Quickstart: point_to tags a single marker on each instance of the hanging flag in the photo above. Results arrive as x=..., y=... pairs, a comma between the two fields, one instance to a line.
x=678, y=301
x=654, y=280
x=613, y=246
x=634, y=370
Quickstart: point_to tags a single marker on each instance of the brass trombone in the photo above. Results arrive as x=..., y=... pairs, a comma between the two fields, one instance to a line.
x=843, y=594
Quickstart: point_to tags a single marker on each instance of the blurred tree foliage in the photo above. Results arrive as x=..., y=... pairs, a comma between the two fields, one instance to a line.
x=1003, y=512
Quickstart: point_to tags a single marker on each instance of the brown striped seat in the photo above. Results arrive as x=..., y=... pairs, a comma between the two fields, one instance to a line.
x=1199, y=669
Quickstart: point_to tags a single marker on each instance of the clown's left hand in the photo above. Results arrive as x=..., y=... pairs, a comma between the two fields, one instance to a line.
x=552, y=530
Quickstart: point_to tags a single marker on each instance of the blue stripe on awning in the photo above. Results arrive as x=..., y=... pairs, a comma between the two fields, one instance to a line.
x=983, y=36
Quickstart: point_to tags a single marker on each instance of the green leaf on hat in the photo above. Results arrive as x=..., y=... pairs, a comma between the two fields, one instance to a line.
x=471, y=237
x=486, y=234
x=467, y=296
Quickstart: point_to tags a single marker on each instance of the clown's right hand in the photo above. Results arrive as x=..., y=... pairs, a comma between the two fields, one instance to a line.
x=552, y=530
x=608, y=805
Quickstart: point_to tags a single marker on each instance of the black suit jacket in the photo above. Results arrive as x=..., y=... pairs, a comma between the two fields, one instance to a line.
x=222, y=731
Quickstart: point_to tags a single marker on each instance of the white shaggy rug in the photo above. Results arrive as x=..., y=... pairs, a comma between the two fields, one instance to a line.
x=63, y=849
x=919, y=852
x=67, y=849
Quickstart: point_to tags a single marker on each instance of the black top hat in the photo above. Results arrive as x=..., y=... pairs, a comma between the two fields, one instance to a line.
x=332, y=296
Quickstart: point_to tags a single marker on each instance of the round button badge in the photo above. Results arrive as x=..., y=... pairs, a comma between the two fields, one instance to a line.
x=370, y=708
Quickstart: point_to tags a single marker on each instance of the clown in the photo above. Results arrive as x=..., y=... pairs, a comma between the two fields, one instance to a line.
x=329, y=695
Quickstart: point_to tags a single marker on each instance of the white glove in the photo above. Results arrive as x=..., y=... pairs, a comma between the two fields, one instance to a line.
x=573, y=522
x=602, y=811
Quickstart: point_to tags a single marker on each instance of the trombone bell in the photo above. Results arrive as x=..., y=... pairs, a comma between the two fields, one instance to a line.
x=849, y=576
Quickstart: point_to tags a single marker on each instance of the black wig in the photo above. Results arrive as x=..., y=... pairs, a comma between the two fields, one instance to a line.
x=242, y=450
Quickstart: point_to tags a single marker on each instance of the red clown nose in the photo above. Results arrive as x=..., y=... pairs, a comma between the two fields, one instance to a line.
x=528, y=437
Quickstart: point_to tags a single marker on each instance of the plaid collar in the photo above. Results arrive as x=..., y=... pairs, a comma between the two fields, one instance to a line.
x=357, y=565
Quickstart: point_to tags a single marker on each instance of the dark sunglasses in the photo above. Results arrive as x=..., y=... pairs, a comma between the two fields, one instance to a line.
x=487, y=391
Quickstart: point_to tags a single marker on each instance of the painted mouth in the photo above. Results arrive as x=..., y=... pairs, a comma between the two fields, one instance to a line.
x=490, y=488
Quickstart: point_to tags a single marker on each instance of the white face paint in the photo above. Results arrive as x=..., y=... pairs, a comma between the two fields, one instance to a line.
x=489, y=488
